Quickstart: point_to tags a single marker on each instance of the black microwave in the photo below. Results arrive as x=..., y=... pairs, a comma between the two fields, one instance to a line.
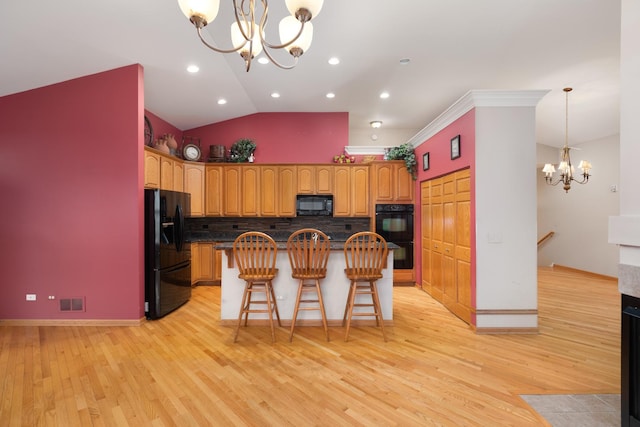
x=314, y=205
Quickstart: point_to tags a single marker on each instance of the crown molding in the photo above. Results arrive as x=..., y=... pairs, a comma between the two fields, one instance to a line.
x=364, y=150
x=477, y=98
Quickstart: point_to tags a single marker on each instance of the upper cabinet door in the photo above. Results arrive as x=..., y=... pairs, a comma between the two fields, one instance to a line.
x=151, y=169
x=306, y=179
x=194, y=182
x=231, y=197
x=250, y=195
x=269, y=190
x=287, y=191
x=213, y=191
x=360, y=191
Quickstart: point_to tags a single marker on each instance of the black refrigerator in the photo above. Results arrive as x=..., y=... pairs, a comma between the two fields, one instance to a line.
x=167, y=254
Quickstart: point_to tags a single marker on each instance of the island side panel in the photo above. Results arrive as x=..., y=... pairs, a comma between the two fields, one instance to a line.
x=335, y=288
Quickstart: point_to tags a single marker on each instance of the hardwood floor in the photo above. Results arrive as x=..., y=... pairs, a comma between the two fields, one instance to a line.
x=184, y=370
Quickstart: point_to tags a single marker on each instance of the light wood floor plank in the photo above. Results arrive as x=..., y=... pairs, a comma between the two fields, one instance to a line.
x=185, y=370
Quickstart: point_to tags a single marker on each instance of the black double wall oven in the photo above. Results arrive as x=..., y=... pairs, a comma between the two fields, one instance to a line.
x=394, y=222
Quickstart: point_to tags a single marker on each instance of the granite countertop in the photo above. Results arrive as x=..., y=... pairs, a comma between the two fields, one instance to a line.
x=336, y=245
x=278, y=236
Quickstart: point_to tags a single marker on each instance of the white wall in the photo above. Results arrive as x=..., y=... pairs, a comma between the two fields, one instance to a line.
x=625, y=228
x=506, y=270
x=580, y=217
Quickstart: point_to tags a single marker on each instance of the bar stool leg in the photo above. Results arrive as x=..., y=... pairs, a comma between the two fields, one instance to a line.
x=243, y=309
x=275, y=303
x=352, y=297
x=269, y=292
x=378, y=309
x=324, y=316
x=346, y=306
x=295, y=309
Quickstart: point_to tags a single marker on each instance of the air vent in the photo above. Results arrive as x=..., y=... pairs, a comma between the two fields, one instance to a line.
x=72, y=304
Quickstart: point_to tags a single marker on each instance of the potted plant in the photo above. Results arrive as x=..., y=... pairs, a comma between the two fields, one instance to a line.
x=242, y=149
x=404, y=152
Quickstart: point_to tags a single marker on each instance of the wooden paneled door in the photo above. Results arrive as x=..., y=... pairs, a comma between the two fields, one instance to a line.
x=446, y=241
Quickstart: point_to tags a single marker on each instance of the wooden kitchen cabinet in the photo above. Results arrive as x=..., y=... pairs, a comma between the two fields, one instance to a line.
x=166, y=173
x=315, y=179
x=250, y=190
x=231, y=187
x=351, y=190
x=151, y=168
x=269, y=190
x=324, y=179
x=162, y=171
x=277, y=190
x=213, y=190
x=306, y=179
x=361, y=197
x=194, y=184
x=178, y=175
x=446, y=241
x=205, y=263
x=392, y=183
x=342, y=191
x=286, y=191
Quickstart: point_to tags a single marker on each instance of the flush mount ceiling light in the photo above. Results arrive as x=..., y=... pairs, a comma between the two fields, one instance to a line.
x=375, y=124
x=247, y=32
x=565, y=168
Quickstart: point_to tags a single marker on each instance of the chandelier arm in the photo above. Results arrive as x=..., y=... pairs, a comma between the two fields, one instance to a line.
x=210, y=46
x=243, y=18
x=550, y=181
x=585, y=179
x=279, y=65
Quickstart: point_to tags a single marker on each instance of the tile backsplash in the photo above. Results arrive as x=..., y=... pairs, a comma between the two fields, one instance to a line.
x=227, y=228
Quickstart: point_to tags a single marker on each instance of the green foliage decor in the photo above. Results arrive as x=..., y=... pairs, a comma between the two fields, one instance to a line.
x=242, y=149
x=407, y=153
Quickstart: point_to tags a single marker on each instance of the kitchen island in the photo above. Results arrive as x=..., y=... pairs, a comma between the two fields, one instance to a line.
x=335, y=288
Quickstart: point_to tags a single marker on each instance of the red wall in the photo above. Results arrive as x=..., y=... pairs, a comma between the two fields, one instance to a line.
x=71, y=188
x=281, y=137
x=440, y=163
x=162, y=127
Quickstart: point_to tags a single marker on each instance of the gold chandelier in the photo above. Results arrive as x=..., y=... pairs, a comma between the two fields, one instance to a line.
x=565, y=168
x=248, y=34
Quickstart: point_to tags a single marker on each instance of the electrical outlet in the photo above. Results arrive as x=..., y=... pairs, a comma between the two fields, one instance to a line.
x=31, y=297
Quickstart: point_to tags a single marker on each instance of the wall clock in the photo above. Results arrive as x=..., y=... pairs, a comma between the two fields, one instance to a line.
x=191, y=152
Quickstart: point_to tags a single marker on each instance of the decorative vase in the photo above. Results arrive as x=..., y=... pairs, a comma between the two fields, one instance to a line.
x=171, y=143
x=161, y=145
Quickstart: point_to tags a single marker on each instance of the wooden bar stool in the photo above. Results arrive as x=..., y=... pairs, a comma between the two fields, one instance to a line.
x=255, y=255
x=308, y=251
x=365, y=254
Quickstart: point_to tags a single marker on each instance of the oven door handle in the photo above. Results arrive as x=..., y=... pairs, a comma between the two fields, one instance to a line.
x=632, y=311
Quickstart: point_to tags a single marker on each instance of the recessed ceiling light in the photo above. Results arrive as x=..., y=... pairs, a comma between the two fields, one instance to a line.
x=331, y=95
x=375, y=124
x=334, y=61
x=193, y=68
x=222, y=101
x=275, y=95
x=384, y=95
x=405, y=61
x=263, y=60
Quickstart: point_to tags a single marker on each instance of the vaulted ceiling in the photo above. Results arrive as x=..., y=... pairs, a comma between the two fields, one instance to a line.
x=454, y=46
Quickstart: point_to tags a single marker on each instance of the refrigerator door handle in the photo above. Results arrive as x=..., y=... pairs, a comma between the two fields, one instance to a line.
x=178, y=230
